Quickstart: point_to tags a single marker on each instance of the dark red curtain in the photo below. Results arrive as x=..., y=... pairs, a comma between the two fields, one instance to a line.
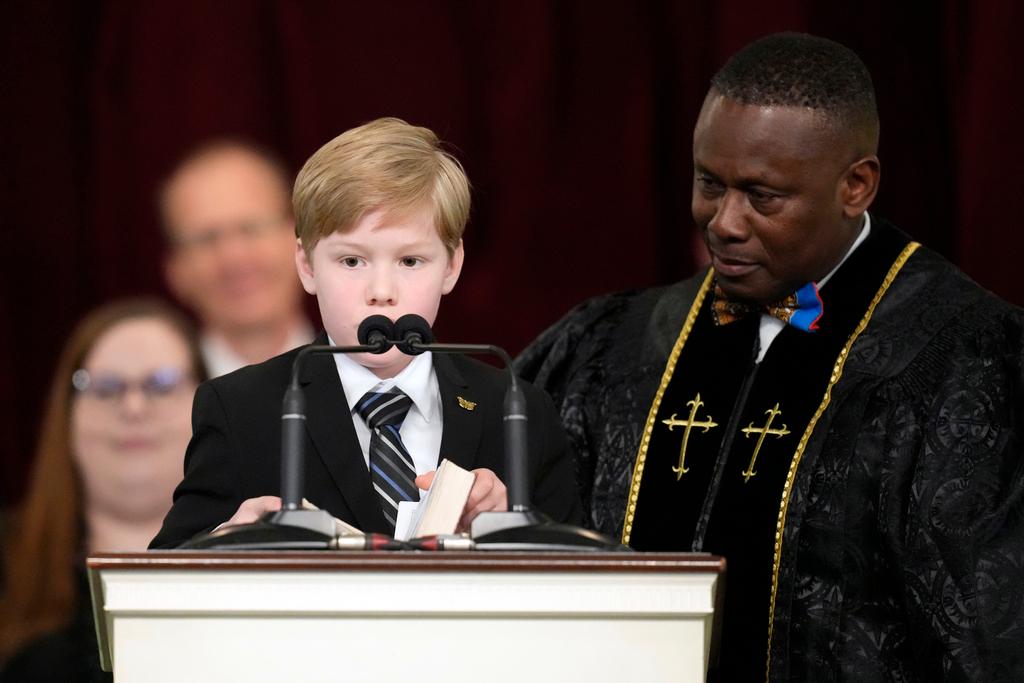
x=572, y=118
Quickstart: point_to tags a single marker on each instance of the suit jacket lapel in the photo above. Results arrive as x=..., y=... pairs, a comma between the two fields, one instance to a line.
x=462, y=426
x=330, y=428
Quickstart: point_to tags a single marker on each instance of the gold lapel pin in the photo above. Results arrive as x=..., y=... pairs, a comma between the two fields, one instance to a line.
x=468, y=405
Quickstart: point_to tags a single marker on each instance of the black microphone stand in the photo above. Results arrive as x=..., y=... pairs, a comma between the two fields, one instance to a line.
x=291, y=527
x=520, y=527
x=295, y=528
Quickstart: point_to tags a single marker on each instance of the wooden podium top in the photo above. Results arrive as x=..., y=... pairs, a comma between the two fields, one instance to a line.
x=406, y=560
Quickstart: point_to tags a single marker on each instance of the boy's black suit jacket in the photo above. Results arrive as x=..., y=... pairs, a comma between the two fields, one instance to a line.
x=235, y=451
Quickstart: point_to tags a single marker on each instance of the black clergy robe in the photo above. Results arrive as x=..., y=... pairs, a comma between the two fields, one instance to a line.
x=865, y=483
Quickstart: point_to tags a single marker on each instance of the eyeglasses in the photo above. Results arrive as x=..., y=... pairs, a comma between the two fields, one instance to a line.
x=159, y=384
x=248, y=231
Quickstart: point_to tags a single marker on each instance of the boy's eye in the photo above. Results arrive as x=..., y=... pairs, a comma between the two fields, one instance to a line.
x=350, y=261
x=411, y=261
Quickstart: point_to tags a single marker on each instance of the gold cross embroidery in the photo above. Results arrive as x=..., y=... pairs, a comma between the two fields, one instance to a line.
x=762, y=432
x=689, y=424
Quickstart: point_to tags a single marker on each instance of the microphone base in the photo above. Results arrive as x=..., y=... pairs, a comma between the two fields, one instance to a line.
x=533, y=530
x=281, y=530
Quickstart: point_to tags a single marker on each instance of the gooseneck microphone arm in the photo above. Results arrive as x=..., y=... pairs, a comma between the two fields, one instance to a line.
x=292, y=527
x=293, y=426
x=520, y=527
x=373, y=333
x=412, y=335
x=514, y=418
x=295, y=528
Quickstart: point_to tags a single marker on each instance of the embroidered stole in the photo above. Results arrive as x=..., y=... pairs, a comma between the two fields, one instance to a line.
x=711, y=476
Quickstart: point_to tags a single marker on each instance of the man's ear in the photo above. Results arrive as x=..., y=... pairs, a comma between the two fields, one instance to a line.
x=451, y=275
x=860, y=185
x=305, y=268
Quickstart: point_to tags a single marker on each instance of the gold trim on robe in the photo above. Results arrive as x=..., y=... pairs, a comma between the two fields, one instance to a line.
x=666, y=377
x=837, y=371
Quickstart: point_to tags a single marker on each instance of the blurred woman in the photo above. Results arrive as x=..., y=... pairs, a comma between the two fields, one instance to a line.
x=110, y=453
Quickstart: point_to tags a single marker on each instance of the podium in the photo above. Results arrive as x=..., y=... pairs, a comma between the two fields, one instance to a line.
x=373, y=616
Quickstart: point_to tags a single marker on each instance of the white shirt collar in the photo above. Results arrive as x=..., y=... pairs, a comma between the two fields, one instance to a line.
x=856, y=243
x=221, y=359
x=416, y=380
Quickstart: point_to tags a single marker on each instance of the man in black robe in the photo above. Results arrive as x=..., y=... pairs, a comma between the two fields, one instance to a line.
x=832, y=407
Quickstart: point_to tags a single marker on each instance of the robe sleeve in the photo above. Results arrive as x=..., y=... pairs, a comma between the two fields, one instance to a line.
x=569, y=361
x=953, y=505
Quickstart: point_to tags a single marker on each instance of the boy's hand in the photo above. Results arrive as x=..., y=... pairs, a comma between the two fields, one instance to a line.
x=424, y=481
x=488, y=494
x=254, y=508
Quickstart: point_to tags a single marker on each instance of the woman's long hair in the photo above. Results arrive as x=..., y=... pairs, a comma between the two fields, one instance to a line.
x=44, y=555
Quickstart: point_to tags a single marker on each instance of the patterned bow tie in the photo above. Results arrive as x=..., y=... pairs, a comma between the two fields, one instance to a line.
x=802, y=309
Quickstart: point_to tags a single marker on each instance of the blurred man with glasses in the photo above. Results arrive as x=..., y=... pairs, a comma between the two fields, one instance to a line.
x=226, y=214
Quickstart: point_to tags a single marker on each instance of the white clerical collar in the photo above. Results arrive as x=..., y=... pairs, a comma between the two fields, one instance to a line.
x=856, y=243
x=416, y=380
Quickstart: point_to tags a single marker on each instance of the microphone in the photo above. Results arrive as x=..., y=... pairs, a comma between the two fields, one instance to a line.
x=521, y=527
x=376, y=331
x=293, y=527
x=413, y=336
x=411, y=332
x=373, y=335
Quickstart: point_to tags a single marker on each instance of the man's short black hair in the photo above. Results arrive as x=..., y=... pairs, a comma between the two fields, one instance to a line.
x=800, y=70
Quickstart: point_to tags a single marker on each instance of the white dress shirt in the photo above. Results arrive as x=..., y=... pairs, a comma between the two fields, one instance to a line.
x=771, y=326
x=423, y=425
x=221, y=359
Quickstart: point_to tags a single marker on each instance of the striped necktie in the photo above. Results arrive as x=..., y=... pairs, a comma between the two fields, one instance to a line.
x=391, y=467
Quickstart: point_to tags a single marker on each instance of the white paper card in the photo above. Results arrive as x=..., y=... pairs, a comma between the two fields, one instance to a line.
x=407, y=517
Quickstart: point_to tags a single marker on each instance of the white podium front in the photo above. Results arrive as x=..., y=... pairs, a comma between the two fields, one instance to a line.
x=423, y=617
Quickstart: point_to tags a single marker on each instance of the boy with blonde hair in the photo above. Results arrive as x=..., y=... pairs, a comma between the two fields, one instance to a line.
x=380, y=211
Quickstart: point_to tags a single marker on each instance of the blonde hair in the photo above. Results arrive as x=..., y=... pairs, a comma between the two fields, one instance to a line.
x=384, y=164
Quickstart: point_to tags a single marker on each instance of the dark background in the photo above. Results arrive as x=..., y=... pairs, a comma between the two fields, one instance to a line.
x=573, y=120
